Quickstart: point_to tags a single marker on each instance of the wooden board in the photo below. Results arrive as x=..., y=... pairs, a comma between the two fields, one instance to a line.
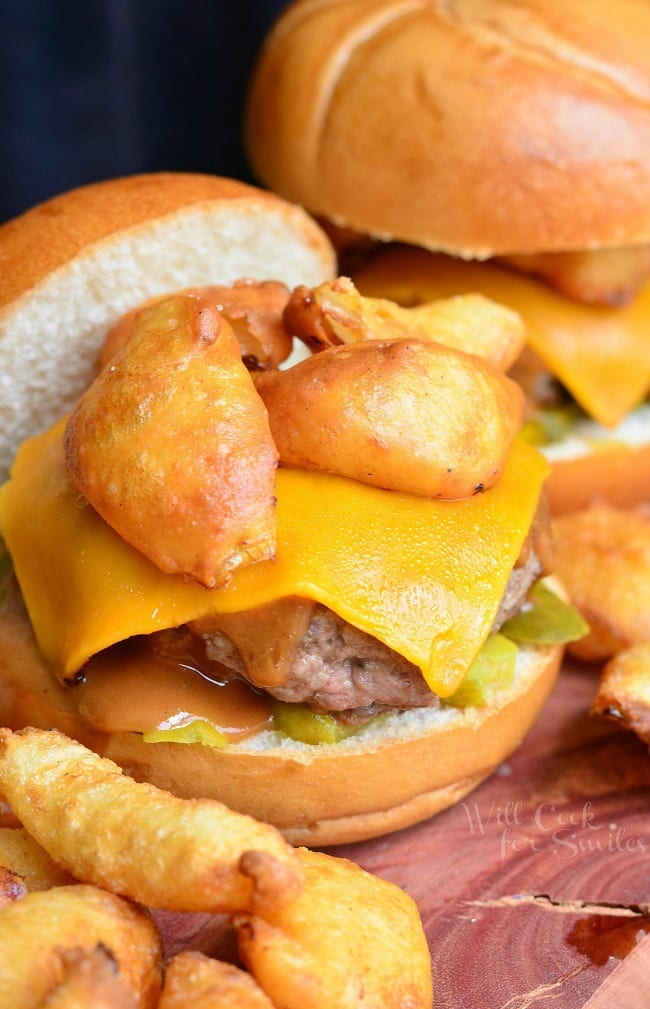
x=535, y=890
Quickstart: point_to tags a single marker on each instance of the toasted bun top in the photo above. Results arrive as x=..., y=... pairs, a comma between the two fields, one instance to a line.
x=71, y=267
x=474, y=127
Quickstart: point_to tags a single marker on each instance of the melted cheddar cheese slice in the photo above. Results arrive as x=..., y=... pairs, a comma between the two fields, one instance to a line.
x=425, y=577
x=601, y=355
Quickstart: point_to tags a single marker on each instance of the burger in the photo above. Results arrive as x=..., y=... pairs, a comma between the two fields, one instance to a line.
x=501, y=148
x=360, y=653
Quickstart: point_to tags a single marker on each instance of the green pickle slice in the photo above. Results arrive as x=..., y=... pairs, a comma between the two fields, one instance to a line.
x=545, y=620
x=492, y=669
x=550, y=424
x=198, y=731
x=299, y=722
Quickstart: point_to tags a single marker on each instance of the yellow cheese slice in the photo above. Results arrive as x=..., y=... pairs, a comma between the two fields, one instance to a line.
x=601, y=355
x=423, y=576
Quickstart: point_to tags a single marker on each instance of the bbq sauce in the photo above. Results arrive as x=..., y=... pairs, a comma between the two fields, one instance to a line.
x=602, y=937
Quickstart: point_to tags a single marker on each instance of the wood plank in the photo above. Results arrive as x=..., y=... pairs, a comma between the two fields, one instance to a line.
x=535, y=890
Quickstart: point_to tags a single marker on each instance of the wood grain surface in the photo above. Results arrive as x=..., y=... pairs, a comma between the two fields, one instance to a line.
x=535, y=890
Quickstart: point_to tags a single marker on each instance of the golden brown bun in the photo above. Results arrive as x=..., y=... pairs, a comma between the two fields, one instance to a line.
x=71, y=267
x=477, y=128
x=404, y=770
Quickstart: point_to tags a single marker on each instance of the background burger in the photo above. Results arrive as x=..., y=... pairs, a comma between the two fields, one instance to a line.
x=512, y=142
x=350, y=684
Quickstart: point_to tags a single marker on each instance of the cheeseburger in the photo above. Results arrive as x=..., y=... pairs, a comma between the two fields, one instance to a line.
x=342, y=644
x=506, y=148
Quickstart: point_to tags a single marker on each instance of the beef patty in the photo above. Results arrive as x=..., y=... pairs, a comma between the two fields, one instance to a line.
x=329, y=664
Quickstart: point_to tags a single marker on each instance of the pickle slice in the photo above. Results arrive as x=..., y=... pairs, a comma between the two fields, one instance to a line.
x=299, y=722
x=492, y=669
x=534, y=432
x=198, y=731
x=545, y=620
x=550, y=424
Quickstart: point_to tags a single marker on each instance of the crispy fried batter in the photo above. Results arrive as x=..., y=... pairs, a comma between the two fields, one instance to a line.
x=195, y=981
x=624, y=689
x=350, y=941
x=596, y=276
x=171, y=445
x=90, y=979
x=603, y=559
x=253, y=309
x=138, y=840
x=335, y=313
x=7, y=816
x=36, y=932
x=23, y=855
x=407, y=416
x=12, y=886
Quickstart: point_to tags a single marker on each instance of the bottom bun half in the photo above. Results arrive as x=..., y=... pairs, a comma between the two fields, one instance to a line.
x=393, y=773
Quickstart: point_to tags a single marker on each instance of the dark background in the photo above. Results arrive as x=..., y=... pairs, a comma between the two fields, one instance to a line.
x=90, y=89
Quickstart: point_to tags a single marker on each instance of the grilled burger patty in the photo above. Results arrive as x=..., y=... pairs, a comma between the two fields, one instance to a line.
x=335, y=667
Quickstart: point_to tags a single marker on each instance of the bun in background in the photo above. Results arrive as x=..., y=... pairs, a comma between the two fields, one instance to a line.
x=474, y=128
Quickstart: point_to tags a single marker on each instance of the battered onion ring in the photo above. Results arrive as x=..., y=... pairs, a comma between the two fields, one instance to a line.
x=24, y=856
x=171, y=445
x=603, y=560
x=37, y=932
x=195, y=981
x=406, y=415
x=624, y=689
x=350, y=941
x=90, y=978
x=138, y=840
x=253, y=308
x=335, y=312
